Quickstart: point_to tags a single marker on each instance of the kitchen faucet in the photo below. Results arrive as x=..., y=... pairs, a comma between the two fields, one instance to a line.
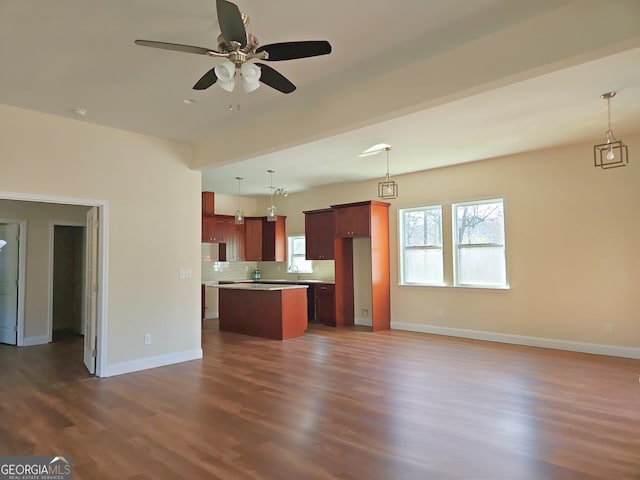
x=297, y=270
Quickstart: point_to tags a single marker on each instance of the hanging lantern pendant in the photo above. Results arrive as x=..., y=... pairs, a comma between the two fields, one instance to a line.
x=613, y=153
x=387, y=189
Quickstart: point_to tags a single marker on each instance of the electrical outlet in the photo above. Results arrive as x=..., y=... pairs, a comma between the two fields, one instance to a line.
x=607, y=327
x=439, y=313
x=147, y=339
x=365, y=312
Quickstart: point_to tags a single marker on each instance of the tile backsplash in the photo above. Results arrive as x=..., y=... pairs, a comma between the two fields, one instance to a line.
x=213, y=270
x=322, y=270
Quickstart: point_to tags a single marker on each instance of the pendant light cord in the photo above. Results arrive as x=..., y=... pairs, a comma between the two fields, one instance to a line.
x=387, y=150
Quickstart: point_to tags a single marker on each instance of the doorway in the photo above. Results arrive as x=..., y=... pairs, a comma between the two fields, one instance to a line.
x=67, y=281
x=100, y=275
x=9, y=274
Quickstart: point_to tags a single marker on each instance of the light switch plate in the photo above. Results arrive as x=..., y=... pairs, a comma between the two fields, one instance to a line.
x=186, y=273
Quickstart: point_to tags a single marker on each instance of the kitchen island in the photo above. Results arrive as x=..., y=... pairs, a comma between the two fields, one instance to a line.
x=263, y=310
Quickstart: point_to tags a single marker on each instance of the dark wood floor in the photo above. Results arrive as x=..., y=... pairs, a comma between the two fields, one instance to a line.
x=343, y=404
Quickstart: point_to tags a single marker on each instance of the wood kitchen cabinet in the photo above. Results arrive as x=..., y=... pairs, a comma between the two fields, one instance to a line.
x=274, y=240
x=208, y=204
x=352, y=220
x=319, y=232
x=325, y=304
x=212, y=230
x=363, y=219
x=221, y=229
x=265, y=241
x=233, y=238
x=253, y=238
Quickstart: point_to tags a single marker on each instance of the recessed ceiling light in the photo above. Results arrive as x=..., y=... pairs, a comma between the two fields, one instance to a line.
x=189, y=101
x=80, y=111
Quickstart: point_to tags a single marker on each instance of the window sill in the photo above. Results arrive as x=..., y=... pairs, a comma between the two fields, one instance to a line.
x=454, y=287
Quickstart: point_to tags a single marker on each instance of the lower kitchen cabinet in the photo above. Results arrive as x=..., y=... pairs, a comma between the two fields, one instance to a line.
x=325, y=304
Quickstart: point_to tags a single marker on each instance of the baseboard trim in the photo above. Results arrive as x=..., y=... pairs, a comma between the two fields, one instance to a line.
x=365, y=322
x=583, y=347
x=210, y=315
x=152, y=362
x=31, y=341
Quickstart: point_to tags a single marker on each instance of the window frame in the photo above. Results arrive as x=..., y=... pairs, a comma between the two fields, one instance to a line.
x=291, y=255
x=456, y=246
x=402, y=248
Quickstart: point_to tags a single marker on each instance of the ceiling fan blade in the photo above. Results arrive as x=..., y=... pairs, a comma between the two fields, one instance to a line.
x=275, y=79
x=230, y=21
x=174, y=46
x=206, y=80
x=293, y=50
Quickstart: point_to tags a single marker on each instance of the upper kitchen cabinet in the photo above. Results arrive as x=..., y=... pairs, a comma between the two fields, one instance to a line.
x=253, y=238
x=265, y=241
x=208, y=204
x=319, y=232
x=233, y=237
x=352, y=220
x=274, y=240
x=212, y=229
x=221, y=229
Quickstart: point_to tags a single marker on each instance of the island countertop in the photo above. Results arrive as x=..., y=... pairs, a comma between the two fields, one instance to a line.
x=257, y=286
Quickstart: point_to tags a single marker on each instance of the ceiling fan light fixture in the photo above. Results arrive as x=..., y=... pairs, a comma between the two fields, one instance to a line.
x=226, y=72
x=228, y=86
x=250, y=76
x=237, y=46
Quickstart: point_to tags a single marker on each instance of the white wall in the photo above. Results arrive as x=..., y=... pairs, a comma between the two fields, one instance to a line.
x=228, y=204
x=572, y=252
x=154, y=202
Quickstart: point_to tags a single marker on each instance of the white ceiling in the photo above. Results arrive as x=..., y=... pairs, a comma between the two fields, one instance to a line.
x=57, y=56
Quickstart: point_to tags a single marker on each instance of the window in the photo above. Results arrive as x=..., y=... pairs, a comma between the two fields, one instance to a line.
x=478, y=240
x=421, y=246
x=296, y=259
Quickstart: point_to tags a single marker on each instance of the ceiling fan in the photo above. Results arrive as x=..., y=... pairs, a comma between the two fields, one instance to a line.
x=237, y=47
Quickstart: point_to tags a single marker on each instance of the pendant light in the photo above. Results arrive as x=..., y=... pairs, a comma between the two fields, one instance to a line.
x=613, y=153
x=271, y=210
x=239, y=217
x=388, y=188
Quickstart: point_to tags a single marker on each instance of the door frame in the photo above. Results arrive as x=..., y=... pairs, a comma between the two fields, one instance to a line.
x=22, y=256
x=52, y=227
x=103, y=262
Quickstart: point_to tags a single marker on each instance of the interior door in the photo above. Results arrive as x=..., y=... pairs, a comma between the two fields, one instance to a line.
x=9, y=248
x=91, y=290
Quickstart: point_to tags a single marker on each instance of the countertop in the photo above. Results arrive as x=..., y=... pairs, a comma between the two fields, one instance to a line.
x=257, y=286
x=302, y=281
